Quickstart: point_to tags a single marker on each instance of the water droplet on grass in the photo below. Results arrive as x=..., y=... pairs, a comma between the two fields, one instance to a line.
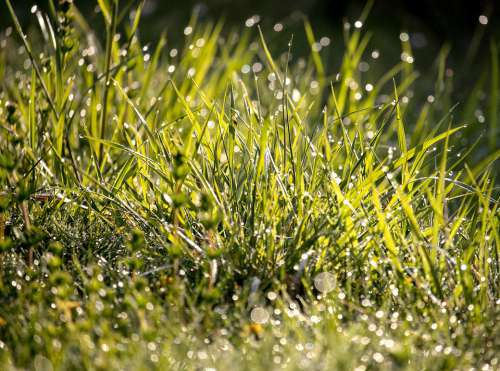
x=259, y=315
x=324, y=41
x=324, y=282
x=278, y=27
x=271, y=295
x=483, y=19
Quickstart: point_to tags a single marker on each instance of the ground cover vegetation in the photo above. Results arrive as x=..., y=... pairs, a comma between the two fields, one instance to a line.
x=232, y=205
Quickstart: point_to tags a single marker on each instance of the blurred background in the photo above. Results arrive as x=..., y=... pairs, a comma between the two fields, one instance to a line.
x=467, y=27
x=438, y=20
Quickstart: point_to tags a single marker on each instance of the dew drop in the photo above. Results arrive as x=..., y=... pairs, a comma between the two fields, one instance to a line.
x=483, y=19
x=259, y=315
x=324, y=282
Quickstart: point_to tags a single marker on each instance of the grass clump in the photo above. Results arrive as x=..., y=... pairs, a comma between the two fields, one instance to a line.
x=220, y=205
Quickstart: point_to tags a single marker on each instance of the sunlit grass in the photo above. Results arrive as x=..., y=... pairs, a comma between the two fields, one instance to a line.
x=230, y=203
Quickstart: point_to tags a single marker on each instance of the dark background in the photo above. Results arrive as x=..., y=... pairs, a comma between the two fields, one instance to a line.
x=432, y=22
x=453, y=21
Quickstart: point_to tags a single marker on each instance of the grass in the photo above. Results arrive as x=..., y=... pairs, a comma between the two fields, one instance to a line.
x=232, y=205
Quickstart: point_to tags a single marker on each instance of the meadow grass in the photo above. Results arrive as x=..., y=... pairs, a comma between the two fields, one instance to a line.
x=230, y=205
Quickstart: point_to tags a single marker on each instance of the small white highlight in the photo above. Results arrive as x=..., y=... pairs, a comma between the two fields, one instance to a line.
x=259, y=315
x=483, y=19
x=324, y=282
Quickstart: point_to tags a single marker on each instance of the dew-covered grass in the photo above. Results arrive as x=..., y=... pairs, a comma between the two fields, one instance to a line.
x=229, y=204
